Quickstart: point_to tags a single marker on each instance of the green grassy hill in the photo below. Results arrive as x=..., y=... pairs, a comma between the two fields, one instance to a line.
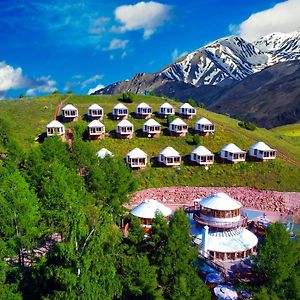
x=289, y=133
x=29, y=117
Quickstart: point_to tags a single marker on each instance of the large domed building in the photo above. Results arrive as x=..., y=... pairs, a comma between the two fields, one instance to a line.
x=224, y=236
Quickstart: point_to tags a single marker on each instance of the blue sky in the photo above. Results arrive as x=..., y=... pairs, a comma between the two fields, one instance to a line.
x=56, y=44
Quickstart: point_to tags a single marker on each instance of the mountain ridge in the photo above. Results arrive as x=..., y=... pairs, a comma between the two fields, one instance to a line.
x=222, y=62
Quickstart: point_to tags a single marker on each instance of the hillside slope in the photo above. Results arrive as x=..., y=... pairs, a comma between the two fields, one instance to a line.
x=269, y=98
x=30, y=117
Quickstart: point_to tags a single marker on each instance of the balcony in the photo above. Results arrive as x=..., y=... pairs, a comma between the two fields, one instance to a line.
x=221, y=225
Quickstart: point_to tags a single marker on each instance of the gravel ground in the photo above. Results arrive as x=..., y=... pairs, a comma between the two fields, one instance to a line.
x=263, y=200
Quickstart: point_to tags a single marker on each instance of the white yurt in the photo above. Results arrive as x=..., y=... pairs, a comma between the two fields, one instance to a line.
x=187, y=111
x=147, y=210
x=262, y=151
x=103, y=152
x=169, y=157
x=204, y=127
x=232, y=153
x=70, y=113
x=125, y=129
x=136, y=159
x=202, y=156
x=178, y=127
x=224, y=236
x=151, y=128
x=95, y=111
x=143, y=111
x=55, y=128
x=119, y=111
x=96, y=130
x=165, y=110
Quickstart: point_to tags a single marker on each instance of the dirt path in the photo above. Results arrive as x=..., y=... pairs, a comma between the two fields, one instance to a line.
x=59, y=106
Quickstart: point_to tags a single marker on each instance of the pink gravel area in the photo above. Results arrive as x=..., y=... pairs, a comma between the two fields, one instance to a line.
x=271, y=202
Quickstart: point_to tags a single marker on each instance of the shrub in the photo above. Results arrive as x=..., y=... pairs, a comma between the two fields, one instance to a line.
x=170, y=119
x=247, y=125
x=192, y=102
x=56, y=92
x=128, y=97
x=196, y=139
x=201, y=104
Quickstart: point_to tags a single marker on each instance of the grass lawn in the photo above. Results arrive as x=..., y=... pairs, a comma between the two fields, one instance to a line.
x=30, y=116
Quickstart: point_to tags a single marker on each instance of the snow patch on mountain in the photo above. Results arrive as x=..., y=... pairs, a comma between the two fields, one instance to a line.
x=234, y=58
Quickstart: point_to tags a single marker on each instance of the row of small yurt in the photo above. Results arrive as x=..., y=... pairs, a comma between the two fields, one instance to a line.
x=125, y=129
x=169, y=157
x=120, y=111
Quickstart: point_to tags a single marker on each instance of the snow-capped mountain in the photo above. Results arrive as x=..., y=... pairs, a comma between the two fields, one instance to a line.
x=227, y=58
x=219, y=63
x=233, y=58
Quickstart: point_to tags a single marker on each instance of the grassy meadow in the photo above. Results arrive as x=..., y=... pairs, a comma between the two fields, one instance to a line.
x=29, y=117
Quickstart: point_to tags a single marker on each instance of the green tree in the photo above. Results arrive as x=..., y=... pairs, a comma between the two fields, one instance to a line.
x=84, y=265
x=19, y=214
x=5, y=134
x=170, y=119
x=247, y=125
x=111, y=182
x=177, y=275
x=138, y=278
x=54, y=149
x=22, y=95
x=278, y=260
x=61, y=195
x=201, y=104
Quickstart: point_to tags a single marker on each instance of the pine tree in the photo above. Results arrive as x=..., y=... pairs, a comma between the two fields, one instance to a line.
x=277, y=262
x=138, y=278
x=19, y=214
x=111, y=182
x=178, y=275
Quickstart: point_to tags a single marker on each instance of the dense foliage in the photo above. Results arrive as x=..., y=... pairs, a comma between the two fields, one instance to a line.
x=277, y=265
x=65, y=190
x=247, y=125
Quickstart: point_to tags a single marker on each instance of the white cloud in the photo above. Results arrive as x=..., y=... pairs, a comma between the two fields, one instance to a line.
x=175, y=54
x=43, y=85
x=98, y=87
x=117, y=44
x=283, y=17
x=146, y=16
x=13, y=79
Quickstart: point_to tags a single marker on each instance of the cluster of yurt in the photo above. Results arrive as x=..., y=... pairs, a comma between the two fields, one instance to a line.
x=152, y=129
x=125, y=129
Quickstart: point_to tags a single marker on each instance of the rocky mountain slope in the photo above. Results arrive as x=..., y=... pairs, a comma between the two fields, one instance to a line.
x=221, y=63
x=215, y=75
